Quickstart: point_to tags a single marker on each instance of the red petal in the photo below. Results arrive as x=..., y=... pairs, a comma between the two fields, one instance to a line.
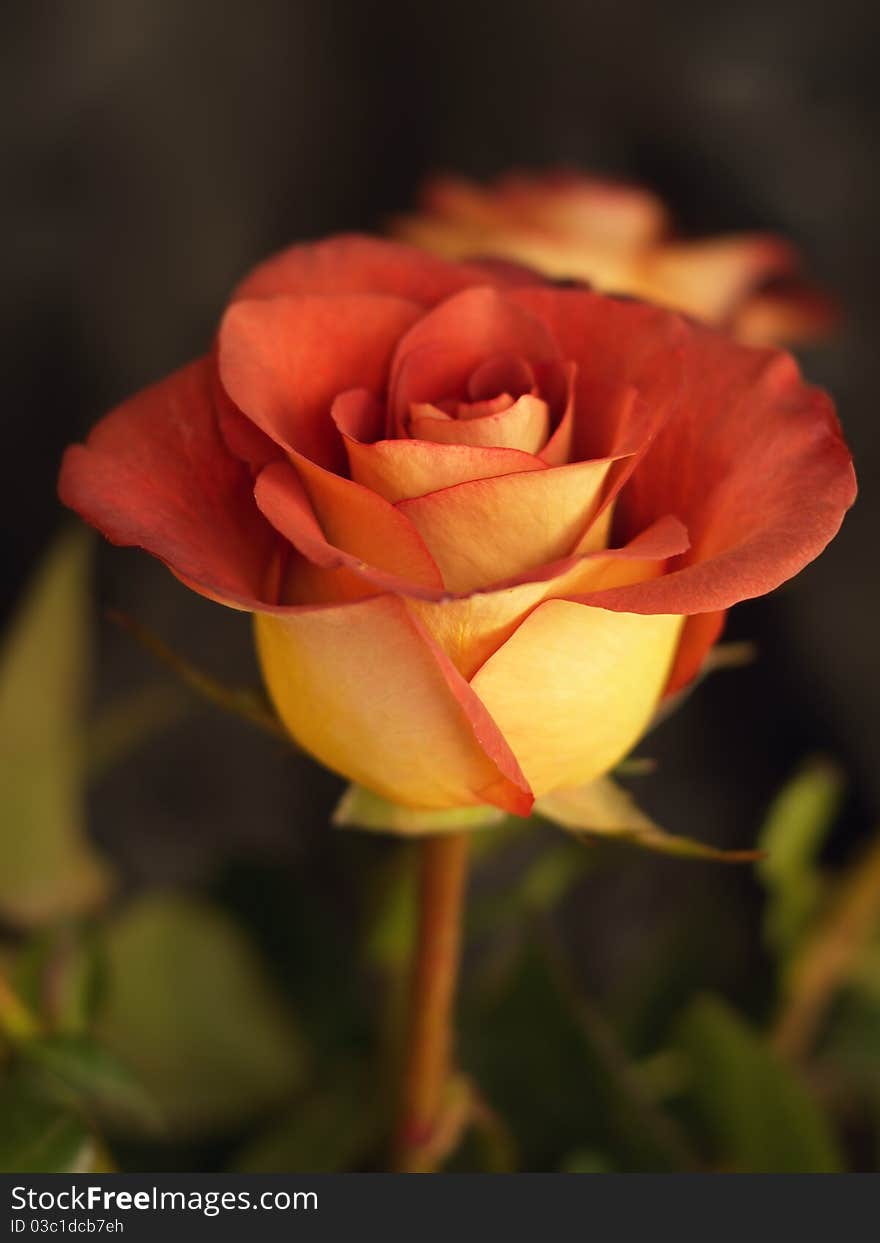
x=754, y=463
x=701, y=632
x=354, y=264
x=155, y=473
x=616, y=345
x=438, y=355
x=284, y=360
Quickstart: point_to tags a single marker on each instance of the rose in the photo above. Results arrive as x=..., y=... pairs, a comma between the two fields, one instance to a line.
x=617, y=237
x=483, y=522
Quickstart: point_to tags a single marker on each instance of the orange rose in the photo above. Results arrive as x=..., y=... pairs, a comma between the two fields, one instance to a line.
x=483, y=522
x=617, y=237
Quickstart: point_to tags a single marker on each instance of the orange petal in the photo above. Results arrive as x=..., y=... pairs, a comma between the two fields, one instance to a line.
x=489, y=530
x=338, y=524
x=438, y=355
x=710, y=277
x=403, y=469
x=364, y=690
x=524, y=425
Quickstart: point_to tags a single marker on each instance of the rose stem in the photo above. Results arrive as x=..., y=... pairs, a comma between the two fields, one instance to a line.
x=442, y=875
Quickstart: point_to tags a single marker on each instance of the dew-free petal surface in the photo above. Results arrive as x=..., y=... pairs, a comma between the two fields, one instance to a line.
x=364, y=690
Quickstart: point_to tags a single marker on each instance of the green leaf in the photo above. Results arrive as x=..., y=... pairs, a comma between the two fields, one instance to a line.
x=59, y=974
x=361, y=809
x=48, y=868
x=189, y=1007
x=328, y=1131
x=794, y=831
x=756, y=1113
x=585, y=1161
x=38, y=1135
x=85, y=1075
x=558, y=1081
x=604, y=809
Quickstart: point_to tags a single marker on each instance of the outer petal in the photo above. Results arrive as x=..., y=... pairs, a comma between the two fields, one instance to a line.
x=492, y=529
x=156, y=473
x=754, y=463
x=355, y=264
x=701, y=632
x=365, y=691
x=284, y=360
x=574, y=687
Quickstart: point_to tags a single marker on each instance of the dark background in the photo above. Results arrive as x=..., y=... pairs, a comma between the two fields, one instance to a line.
x=154, y=149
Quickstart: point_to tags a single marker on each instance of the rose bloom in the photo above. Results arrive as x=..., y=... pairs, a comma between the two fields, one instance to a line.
x=483, y=523
x=618, y=238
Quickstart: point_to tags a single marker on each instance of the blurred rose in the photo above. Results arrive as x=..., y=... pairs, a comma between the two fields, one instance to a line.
x=617, y=238
x=483, y=522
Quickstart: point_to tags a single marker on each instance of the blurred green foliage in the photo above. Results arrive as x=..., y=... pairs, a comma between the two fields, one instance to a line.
x=47, y=866
x=256, y=1027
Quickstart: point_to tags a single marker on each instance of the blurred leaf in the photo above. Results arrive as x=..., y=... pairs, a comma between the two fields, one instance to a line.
x=47, y=866
x=604, y=809
x=361, y=809
x=794, y=831
x=310, y=938
x=86, y=1076
x=756, y=1113
x=190, y=1009
x=391, y=929
x=38, y=1135
x=849, y=1051
x=829, y=957
x=60, y=973
x=584, y=1161
x=551, y=875
x=327, y=1131
x=17, y=1022
x=552, y=1078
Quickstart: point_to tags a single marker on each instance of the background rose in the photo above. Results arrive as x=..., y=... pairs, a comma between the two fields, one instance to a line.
x=619, y=238
x=471, y=512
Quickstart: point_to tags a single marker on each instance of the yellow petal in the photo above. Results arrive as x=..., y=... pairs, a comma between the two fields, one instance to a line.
x=364, y=690
x=574, y=687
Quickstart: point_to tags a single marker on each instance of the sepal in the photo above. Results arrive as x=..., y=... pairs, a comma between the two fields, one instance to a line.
x=605, y=809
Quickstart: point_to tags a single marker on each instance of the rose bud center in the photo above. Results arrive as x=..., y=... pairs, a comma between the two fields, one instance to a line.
x=501, y=406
